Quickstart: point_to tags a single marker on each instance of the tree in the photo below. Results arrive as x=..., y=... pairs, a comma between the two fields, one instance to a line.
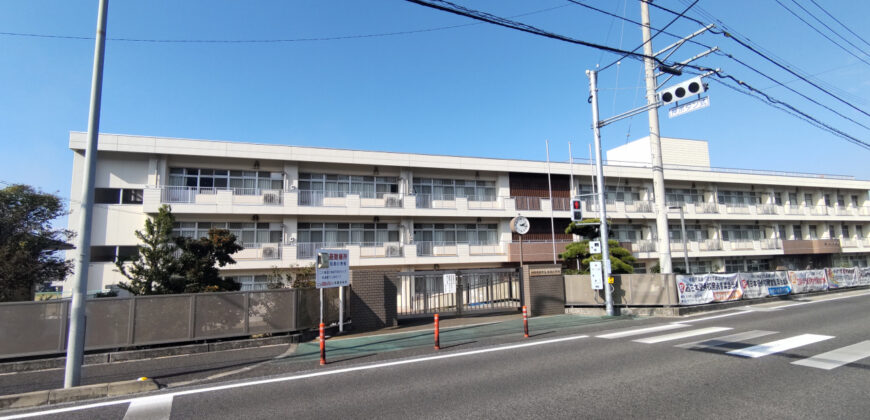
x=298, y=276
x=199, y=258
x=620, y=258
x=28, y=243
x=155, y=269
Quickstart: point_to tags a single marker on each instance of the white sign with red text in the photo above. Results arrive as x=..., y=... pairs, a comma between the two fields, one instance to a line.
x=332, y=268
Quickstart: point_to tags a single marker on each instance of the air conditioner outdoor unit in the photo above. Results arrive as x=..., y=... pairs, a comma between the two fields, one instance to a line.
x=270, y=251
x=393, y=250
x=392, y=200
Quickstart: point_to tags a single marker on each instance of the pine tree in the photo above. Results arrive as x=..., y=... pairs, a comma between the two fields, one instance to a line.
x=620, y=258
x=201, y=257
x=155, y=269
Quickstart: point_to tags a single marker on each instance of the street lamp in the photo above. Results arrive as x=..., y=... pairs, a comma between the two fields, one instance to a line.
x=683, y=229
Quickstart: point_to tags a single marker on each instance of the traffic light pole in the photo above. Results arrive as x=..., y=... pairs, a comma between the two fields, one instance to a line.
x=602, y=207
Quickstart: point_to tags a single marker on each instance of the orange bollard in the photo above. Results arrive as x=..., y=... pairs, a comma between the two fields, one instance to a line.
x=322, y=344
x=525, y=322
x=437, y=341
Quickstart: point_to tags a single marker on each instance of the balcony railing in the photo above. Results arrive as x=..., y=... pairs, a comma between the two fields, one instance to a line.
x=639, y=207
x=561, y=204
x=486, y=249
x=793, y=210
x=259, y=251
x=179, y=194
x=765, y=209
x=380, y=250
x=706, y=208
x=436, y=249
x=644, y=246
x=527, y=203
x=848, y=243
x=818, y=211
x=711, y=245
x=737, y=209
x=771, y=243
x=438, y=201
x=174, y=194
x=741, y=244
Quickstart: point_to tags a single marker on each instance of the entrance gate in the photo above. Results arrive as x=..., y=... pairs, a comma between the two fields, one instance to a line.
x=423, y=293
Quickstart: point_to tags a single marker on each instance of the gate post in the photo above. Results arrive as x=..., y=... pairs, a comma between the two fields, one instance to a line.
x=460, y=286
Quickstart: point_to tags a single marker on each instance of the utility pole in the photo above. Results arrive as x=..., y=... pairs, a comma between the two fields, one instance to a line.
x=602, y=208
x=76, y=339
x=655, y=144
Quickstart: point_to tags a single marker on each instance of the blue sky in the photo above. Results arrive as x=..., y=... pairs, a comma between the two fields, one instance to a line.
x=477, y=90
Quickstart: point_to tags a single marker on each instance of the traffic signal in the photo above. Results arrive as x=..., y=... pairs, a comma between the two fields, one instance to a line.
x=680, y=91
x=576, y=210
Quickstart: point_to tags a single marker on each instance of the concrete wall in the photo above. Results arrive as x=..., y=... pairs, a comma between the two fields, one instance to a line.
x=373, y=299
x=674, y=152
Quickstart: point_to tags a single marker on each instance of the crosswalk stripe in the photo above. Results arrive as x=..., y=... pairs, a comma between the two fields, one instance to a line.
x=638, y=331
x=156, y=407
x=682, y=334
x=779, y=345
x=838, y=357
x=725, y=342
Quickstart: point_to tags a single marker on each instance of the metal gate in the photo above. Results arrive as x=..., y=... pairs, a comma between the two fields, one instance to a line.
x=423, y=293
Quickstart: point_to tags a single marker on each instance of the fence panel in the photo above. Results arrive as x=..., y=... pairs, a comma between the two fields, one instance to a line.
x=161, y=319
x=29, y=328
x=272, y=311
x=219, y=315
x=108, y=323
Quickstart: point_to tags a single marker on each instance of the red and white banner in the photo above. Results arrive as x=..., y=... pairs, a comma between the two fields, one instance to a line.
x=707, y=288
x=808, y=281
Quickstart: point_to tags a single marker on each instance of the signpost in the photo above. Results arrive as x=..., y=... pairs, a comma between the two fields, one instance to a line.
x=333, y=270
x=595, y=274
x=689, y=107
x=450, y=283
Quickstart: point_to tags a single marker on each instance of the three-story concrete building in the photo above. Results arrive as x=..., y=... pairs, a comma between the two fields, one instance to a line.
x=422, y=212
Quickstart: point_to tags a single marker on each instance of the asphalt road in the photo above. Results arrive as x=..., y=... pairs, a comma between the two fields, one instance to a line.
x=790, y=359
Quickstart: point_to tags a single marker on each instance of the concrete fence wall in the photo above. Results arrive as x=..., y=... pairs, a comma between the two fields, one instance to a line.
x=40, y=328
x=629, y=289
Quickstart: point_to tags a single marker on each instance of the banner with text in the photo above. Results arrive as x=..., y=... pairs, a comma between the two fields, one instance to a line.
x=842, y=277
x=863, y=276
x=707, y=288
x=764, y=284
x=808, y=281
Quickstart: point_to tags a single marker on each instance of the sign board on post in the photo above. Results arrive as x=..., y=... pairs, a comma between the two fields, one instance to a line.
x=450, y=283
x=594, y=247
x=595, y=274
x=689, y=107
x=332, y=268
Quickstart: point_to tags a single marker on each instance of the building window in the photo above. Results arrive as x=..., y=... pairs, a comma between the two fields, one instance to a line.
x=742, y=233
x=859, y=231
x=797, y=232
x=828, y=200
x=639, y=267
x=102, y=254
x=247, y=234
x=814, y=233
x=696, y=267
x=841, y=200
x=340, y=234
x=737, y=198
x=334, y=185
x=240, y=182
x=107, y=195
x=625, y=233
x=854, y=201
x=680, y=196
x=449, y=189
x=693, y=233
x=734, y=265
x=131, y=196
x=792, y=199
x=831, y=234
x=781, y=232
x=777, y=199
x=808, y=200
x=251, y=283
x=845, y=231
x=474, y=234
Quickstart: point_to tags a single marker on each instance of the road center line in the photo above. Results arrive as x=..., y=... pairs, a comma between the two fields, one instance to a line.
x=298, y=377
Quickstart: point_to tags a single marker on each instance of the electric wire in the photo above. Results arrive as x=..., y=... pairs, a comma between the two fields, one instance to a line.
x=793, y=13
x=812, y=15
x=838, y=21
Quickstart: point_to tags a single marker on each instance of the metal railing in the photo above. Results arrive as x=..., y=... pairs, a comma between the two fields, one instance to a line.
x=380, y=249
x=818, y=210
x=308, y=250
x=486, y=249
x=436, y=249
x=175, y=194
x=737, y=209
x=170, y=194
x=639, y=207
x=706, y=208
x=741, y=244
x=765, y=209
x=437, y=201
x=711, y=245
x=644, y=246
x=561, y=204
x=771, y=243
x=793, y=210
x=849, y=243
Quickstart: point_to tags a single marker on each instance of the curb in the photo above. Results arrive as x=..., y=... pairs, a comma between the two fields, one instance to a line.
x=86, y=392
x=133, y=355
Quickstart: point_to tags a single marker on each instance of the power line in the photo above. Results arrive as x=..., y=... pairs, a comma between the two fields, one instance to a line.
x=268, y=41
x=456, y=9
x=838, y=21
x=812, y=15
x=652, y=37
x=821, y=33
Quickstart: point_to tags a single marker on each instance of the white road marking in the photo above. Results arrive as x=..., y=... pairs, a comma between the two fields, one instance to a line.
x=298, y=377
x=157, y=407
x=779, y=345
x=682, y=334
x=725, y=341
x=638, y=331
x=718, y=316
x=838, y=357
